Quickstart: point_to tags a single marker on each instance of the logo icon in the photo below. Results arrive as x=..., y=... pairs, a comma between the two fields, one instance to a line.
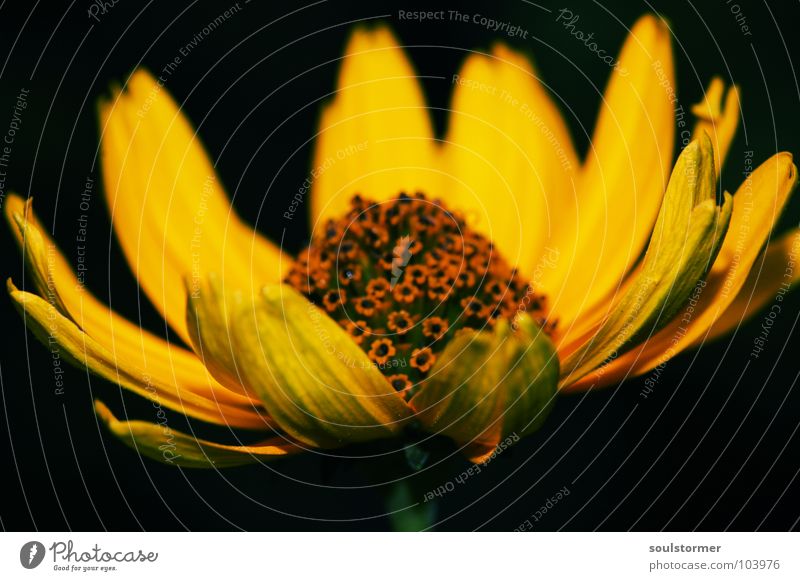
x=401, y=257
x=31, y=554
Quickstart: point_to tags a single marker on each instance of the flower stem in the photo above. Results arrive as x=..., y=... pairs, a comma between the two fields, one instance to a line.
x=407, y=510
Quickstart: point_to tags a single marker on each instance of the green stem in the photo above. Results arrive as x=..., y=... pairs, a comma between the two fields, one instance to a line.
x=407, y=510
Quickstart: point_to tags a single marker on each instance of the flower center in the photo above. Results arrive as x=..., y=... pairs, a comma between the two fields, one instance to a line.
x=404, y=276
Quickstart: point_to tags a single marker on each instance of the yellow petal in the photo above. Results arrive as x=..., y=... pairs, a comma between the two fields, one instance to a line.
x=54, y=279
x=684, y=243
x=207, y=319
x=720, y=122
x=375, y=137
x=489, y=385
x=757, y=205
x=508, y=155
x=314, y=381
x=169, y=210
x=43, y=261
x=162, y=443
x=71, y=344
x=623, y=178
x=767, y=283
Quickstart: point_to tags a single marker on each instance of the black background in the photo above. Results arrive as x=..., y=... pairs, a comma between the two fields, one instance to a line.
x=715, y=447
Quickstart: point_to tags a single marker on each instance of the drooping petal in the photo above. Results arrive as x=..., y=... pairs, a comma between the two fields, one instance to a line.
x=73, y=345
x=170, y=213
x=162, y=443
x=720, y=122
x=55, y=280
x=623, y=178
x=768, y=280
x=45, y=264
x=686, y=239
x=375, y=137
x=757, y=205
x=508, y=155
x=207, y=319
x=314, y=381
x=489, y=385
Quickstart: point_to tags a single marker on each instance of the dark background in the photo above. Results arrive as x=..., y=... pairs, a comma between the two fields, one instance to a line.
x=715, y=447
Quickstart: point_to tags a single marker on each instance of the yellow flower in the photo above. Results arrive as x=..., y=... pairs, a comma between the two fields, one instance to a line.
x=518, y=271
